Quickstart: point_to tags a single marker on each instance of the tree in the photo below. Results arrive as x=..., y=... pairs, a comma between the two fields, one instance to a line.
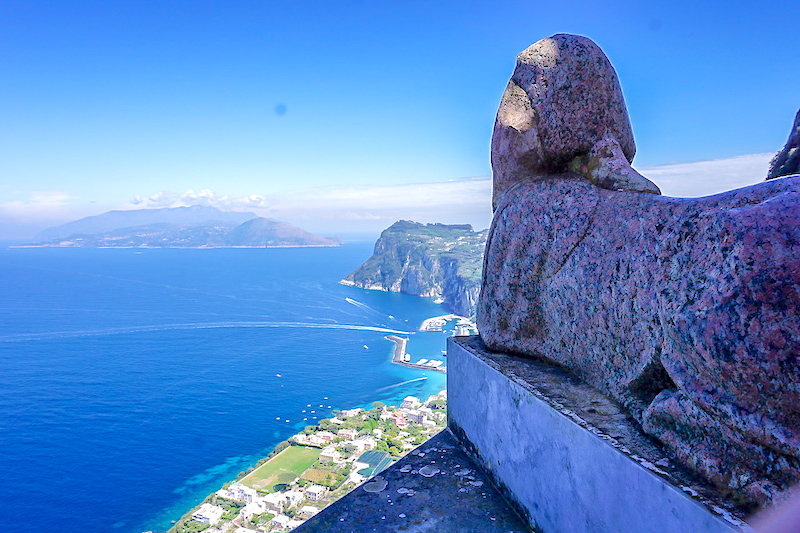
x=378, y=405
x=368, y=426
x=437, y=404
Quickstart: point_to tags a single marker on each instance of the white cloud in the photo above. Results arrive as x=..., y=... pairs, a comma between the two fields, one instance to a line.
x=205, y=197
x=37, y=205
x=371, y=208
x=704, y=178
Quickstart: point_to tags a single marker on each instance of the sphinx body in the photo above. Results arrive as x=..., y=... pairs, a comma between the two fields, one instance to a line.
x=684, y=310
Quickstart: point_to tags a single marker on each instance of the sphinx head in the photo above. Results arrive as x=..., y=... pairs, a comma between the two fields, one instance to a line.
x=563, y=111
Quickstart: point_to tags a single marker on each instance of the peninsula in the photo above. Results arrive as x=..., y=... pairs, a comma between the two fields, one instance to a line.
x=431, y=260
x=316, y=467
x=194, y=227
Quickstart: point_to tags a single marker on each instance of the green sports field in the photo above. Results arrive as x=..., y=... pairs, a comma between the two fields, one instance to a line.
x=294, y=460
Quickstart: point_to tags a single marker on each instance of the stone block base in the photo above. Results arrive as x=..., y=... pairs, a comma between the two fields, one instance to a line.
x=568, y=457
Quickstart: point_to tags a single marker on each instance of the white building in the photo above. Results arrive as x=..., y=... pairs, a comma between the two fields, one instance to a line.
x=330, y=454
x=274, y=502
x=326, y=436
x=351, y=412
x=308, y=510
x=412, y=415
x=293, y=497
x=364, y=443
x=314, y=492
x=316, y=440
x=355, y=478
x=281, y=520
x=348, y=433
x=242, y=493
x=252, y=509
x=224, y=493
x=208, y=514
x=410, y=402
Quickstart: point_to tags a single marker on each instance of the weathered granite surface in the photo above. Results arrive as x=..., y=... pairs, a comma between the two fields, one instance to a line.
x=563, y=107
x=787, y=161
x=684, y=310
x=437, y=488
x=570, y=457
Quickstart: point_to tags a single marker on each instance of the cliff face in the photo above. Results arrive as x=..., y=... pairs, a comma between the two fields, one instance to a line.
x=787, y=161
x=431, y=260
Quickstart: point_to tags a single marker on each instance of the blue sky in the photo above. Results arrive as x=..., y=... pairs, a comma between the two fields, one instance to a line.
x=279, y=106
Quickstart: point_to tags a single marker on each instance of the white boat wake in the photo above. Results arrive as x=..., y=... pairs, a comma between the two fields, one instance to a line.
x=195, y=325
x=399, y=384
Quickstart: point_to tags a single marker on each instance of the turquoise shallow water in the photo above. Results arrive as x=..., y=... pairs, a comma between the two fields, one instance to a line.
x=135, y=382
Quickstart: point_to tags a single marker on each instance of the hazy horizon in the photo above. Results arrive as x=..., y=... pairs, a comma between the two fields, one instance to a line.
x=345, y=118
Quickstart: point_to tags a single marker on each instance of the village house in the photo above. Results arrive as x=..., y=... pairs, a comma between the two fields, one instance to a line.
x=410, y=402
x=364, y=443
x=241, y=493
x=308, y=511
x=208, y=514
x=293, y=497
x=330, y=454
x=281, y=520
x=252, y=509
x=314, y=492
x=326, y=436
x=398, y=419
x=274, y=502
x=412, y=415
x=348, y=433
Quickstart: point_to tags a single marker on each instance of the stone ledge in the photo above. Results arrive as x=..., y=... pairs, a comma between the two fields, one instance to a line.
x=458, y=497
x=566, y=455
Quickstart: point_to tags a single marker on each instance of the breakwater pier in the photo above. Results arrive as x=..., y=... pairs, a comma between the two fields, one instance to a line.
x=400, y=357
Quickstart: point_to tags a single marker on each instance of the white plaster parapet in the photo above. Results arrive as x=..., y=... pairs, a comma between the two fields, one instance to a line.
x=568, y=457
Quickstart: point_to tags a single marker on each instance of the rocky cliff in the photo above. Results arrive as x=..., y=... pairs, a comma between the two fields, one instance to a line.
x=787, y=161
x=431, y=260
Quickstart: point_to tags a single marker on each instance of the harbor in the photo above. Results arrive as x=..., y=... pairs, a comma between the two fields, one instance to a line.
x=402, y=358
x=464, y=326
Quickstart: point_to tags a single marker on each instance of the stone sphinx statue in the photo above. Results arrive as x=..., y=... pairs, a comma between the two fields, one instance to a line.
x=685, y=310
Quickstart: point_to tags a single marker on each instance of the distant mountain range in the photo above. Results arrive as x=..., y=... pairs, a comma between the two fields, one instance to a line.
x=434, y=260
x=179, y=227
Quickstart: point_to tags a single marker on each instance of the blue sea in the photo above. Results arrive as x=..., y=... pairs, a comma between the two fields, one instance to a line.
x=135, y=382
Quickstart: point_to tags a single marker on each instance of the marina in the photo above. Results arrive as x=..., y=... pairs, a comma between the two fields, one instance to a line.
x=402, y=358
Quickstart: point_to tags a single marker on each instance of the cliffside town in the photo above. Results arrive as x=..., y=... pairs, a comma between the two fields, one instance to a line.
x=316, y=467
